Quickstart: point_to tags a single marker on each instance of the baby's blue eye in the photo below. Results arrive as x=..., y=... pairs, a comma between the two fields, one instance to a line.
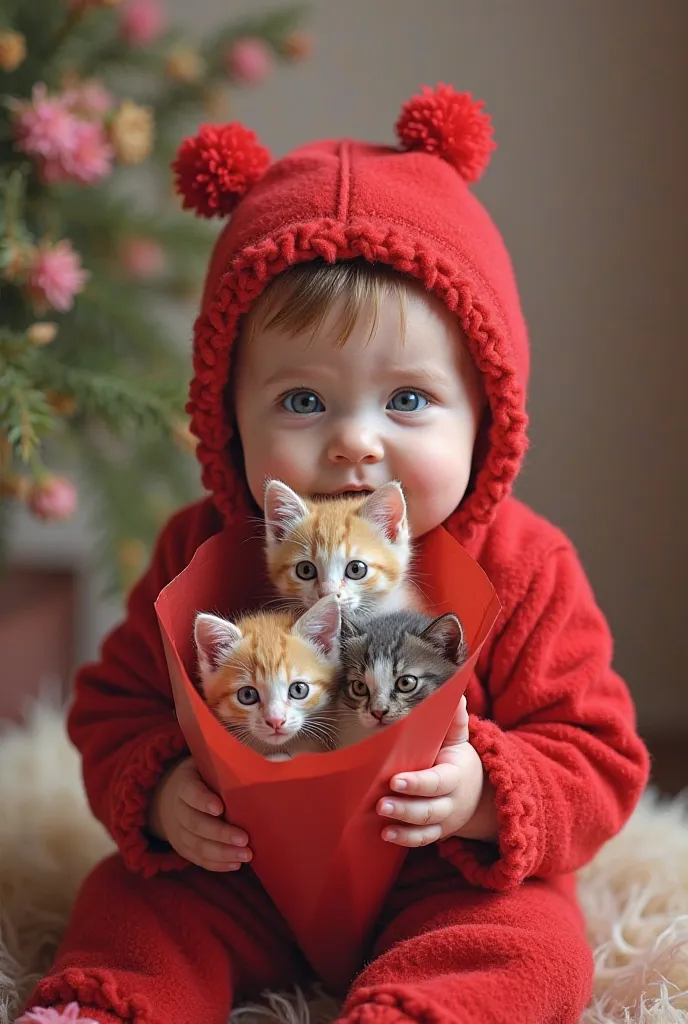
x=407, y=401
x=303, y=403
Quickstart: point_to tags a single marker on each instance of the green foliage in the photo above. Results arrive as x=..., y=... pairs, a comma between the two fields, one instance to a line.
x=104, y=400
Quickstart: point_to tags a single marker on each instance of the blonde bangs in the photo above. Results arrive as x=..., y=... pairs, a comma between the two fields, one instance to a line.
x=299, y=300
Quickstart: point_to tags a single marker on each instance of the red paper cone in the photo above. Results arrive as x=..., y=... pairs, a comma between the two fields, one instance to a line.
x=311, y=820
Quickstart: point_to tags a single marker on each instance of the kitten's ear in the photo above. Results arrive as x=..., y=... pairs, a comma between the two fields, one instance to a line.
x=447, y=633
x=215, y=639
x=350, y=630
x=283, y=509
x=386, y=508
x=321, y=624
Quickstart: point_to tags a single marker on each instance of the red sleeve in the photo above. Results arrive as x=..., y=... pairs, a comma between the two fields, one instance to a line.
x=562, y=752
x=122, y=719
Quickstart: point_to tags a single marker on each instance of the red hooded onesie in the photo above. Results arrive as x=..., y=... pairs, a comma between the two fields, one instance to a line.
x=470, y=932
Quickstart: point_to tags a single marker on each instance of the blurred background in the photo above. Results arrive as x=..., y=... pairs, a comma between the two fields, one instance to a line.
x=589, y=105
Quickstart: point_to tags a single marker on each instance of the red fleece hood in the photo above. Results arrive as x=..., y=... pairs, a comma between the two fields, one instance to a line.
x=409, y=208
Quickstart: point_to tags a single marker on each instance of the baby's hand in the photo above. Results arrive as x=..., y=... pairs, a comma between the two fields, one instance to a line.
x=185, y=813
x=454, y=797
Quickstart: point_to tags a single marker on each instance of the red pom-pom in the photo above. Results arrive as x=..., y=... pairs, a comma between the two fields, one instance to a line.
x=217, y=167
x=452, y=125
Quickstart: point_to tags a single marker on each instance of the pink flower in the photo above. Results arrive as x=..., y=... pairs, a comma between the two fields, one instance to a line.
x=45, y=127
x=55, y=498
x=65, y=147
x=142, y=22
x=90, y=98
x=250, y=60
x=142, y=257
x=49, y=1015
x=89, y=162
x=56, y=276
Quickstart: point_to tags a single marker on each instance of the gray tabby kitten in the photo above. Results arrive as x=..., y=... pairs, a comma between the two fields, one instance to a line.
x=390, y=663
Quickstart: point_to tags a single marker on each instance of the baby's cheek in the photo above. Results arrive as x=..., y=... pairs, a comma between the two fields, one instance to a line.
x=280, y=461
x=436, y=485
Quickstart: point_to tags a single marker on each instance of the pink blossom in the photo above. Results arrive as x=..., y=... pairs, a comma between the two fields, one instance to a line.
x=90, y=98
x=66, y=147
x=49, y=1015
x=142, y=22
x=45, y=127
x=55, y=498
x=56, y=276
x=89, y=162
x=250, y=60
x=142, y=257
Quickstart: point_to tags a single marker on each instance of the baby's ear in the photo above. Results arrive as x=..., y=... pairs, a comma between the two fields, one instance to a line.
x=386, y=508
x=321, y=624
x=447, y=634
x=283, y=510
x=215, y=638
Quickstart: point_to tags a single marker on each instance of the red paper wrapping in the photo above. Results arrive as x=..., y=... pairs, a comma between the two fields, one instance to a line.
x=311, y=820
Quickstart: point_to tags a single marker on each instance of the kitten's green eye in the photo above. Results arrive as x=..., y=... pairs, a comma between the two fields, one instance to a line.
x=356, y=570
x=299, y=690
x=248, y=695
x=302, y=402
x=406, y=684
x=306, y=571
x=358, y=688
x=408, y=401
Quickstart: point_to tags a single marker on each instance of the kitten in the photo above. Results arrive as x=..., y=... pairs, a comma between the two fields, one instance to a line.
x=358, y=548
x=391, y=663
x=271, y=678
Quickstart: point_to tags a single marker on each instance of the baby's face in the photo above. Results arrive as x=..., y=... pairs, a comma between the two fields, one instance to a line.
x=327, y=419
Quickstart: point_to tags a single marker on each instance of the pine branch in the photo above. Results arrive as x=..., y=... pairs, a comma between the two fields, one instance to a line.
x=125, y=406
x=24, y=413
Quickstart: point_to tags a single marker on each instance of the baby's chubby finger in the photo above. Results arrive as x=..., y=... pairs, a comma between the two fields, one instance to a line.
x=441, y=780
x=194, y=792
x=416, y=811
x=209, y=827
x=458, y=731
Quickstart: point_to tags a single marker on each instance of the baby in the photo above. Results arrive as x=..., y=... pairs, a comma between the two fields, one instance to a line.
x=361, y=324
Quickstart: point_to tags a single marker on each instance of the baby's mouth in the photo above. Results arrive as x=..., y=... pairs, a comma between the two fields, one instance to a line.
x=359, y=492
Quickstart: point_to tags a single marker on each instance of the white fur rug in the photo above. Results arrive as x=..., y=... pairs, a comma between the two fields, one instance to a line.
x=635, y=894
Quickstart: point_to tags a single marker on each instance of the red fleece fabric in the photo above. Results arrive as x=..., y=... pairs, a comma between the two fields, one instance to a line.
x=154, y=939
x=472, y=931
x=180, y=948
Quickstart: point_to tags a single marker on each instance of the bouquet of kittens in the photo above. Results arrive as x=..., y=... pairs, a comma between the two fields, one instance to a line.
x=343, y=649
x=351, y=651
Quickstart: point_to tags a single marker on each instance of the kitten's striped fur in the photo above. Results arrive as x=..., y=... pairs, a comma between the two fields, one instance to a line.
x=270, y=653
x=336, y=537
x=378, y=654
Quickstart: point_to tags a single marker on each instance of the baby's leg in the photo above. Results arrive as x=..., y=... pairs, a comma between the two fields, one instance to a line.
x=466, y=956
x=173, y=949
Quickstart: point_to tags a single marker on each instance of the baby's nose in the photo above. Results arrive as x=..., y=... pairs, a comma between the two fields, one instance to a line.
x=379, y=713
x=275, y=721
x=327, y=588
x=354, y=443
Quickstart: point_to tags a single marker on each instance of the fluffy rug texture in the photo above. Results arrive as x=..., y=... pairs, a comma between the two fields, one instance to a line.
x=635, y=893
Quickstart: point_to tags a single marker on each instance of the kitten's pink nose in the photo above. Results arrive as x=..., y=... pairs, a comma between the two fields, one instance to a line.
x=379, y=713
x=275, y=722
x=325, y=589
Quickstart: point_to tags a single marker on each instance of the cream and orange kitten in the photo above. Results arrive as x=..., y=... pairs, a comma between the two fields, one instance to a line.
x=271, y=678
x=356, y=548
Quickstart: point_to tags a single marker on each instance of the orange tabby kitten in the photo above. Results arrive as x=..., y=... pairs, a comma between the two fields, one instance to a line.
x=357, y=548
x=271, y=677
